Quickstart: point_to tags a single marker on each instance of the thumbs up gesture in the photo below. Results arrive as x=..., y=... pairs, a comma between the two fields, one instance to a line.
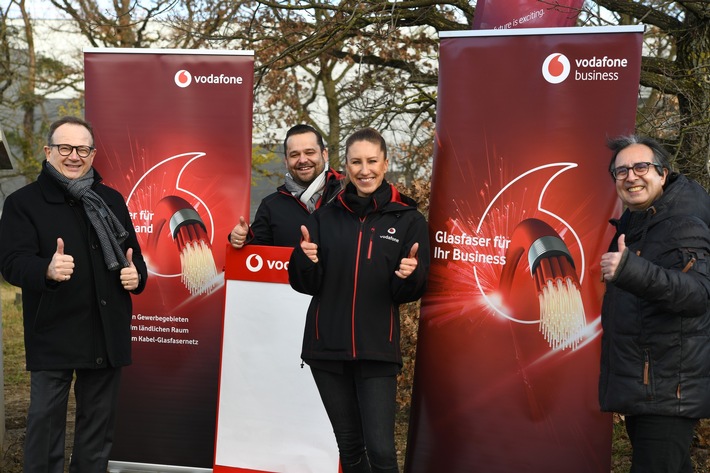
x=408, y=264
x=129, y=274
x=610, y=261
x=239, y=233
x=62, y=266
x=309, y=248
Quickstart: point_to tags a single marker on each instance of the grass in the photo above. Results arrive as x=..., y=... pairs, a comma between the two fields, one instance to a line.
x=16, y=379
x=13, y=342
x=620, y=447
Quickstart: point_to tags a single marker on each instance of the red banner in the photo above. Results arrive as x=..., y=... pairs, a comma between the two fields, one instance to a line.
x=173, y=133
x=507, y=14
x=509, y=343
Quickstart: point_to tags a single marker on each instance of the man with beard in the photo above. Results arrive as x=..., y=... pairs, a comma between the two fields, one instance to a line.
x=309, y=183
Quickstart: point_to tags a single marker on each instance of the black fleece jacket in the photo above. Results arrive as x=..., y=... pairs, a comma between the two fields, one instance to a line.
x=354, y=313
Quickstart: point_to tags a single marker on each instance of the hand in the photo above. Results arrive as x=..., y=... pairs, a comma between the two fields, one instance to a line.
x=610, y=261
x=408, y=264
x=62, y=266
x=239, y=234
x=129, y=275
x=310, y=249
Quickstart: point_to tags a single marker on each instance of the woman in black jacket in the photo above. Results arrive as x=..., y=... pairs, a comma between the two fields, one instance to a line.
x=655, y=362
x=360, y=257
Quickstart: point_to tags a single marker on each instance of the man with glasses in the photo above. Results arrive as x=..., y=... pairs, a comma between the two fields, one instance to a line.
x=67, y=240
x=309, y=183
x=655, y=361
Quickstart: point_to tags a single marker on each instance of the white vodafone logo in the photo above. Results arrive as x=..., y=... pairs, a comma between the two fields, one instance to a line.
x=254, y=263
x=183, y=78
x=556, y=68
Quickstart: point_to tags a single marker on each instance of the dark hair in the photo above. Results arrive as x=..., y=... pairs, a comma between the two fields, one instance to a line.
x=661, y=157
x=300, y=130
x=71, y=120
x=366, y=134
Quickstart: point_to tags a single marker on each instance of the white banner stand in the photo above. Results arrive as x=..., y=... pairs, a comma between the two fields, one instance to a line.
x=270, y=416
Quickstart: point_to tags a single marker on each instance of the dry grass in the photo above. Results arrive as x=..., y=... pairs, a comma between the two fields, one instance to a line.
x=17, y=380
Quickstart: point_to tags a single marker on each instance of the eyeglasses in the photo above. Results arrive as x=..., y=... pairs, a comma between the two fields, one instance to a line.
x=81, y=151
x=640, y=169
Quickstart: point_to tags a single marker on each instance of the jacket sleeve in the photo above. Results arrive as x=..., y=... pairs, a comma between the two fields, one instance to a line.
x=685, y=293
x=260, y=232
x=21, y=260
x=413, y=287
x=304, y=275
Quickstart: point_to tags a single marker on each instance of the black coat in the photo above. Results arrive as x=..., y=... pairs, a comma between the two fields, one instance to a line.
x=280, y=215
x=354, y=313
x=84, y=322
x=656, y=311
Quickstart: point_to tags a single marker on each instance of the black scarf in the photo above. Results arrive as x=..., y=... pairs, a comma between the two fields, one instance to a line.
x=109, y=230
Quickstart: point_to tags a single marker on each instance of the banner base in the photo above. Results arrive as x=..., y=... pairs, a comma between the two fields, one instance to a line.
x=129, y=467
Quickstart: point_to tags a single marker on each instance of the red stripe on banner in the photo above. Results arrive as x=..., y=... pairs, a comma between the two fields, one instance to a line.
x=506, y=374
x=232, y=469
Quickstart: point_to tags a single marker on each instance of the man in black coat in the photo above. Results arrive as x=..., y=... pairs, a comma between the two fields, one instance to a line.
x=67, y=240
x=309, y=183
x=655, y=360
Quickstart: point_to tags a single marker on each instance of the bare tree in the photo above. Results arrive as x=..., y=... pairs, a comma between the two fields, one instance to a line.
x=27, y=79
x=341, y=65
x=676, y=69
x=311, y=34
x=333, y=67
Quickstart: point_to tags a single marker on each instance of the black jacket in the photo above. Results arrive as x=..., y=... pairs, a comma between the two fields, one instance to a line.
x=656, y=311
x=81, y=323
x=280, y=215
x=354, y=313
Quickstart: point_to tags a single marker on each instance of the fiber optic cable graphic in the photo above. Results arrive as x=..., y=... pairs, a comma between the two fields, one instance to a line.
x=552, y=269
x=189, y=232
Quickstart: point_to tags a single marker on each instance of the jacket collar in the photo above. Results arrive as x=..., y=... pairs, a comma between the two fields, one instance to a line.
x=386, y=198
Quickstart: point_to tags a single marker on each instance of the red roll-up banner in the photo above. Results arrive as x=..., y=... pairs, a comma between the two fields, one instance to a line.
x=506, y=14
x=173, y=134
x=509, y=343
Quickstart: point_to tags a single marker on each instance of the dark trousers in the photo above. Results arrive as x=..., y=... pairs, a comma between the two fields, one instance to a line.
x=96, y=393
x=661, y=444
x=362, y=413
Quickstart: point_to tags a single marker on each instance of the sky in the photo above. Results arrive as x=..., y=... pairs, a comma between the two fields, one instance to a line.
x=38, y=9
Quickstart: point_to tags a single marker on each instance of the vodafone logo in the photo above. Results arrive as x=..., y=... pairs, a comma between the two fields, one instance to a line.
x=254, y=263
x=258, y=263
x=183, y=78
x=556, y=68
